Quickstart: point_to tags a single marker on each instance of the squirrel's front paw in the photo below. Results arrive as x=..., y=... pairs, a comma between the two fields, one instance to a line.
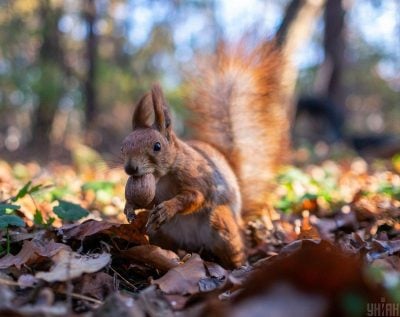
x=159, y=215
x=129, y=212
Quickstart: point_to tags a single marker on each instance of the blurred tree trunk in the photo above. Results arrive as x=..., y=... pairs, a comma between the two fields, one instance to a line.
x=294, y=31
x=49, y=87
x=329, y=76
x=91, y=55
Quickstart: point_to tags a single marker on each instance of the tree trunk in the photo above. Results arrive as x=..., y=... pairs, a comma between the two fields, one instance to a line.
x=328, y=81
x=91, y=51
x=334, y=45
x=294, y=31
x=48, y=88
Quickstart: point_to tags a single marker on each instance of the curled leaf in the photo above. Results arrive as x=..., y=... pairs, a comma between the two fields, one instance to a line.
x=69, y=265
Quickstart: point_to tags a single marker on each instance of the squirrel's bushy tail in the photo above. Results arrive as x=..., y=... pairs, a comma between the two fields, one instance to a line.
x=237, y=105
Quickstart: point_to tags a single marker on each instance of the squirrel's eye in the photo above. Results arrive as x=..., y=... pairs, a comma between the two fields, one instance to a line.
x=157, y=146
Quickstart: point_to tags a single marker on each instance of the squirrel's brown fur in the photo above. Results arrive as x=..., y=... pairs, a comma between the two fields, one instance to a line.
x=238, y=108
x=200, y=185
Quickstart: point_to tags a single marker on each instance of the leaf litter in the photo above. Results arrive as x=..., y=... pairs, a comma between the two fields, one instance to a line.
x=330, y=248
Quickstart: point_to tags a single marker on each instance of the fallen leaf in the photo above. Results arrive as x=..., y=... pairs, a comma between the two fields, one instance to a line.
x=183, y=279
x=216, y=277
x=238, y=276
x=134, y=232
x=380, y=249
x=389, y=264
x=30, y=251
x=69, y=265
x=153, y=256
x=353, y=243
x=153, y=303
x=313, y=268
x=178, y=302
x=96, y=285
x=150, y=302
x=209, y=284
x=281, y=300
x=85, y=229
x=307, y=230
x=27, y=280
x=120, y=305
x=57, y=309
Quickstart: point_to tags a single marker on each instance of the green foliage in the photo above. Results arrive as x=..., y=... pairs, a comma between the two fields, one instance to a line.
x=392, y=191
x=5, y=207
x=391, y=280
x=298, y=186
x=28, y=189
x=353, y=303
x=20, y=171
x=7, y=219
x=59, y=192
x=85, y=157
x=104, y=190
x=38, y=218
x=98, y=185
x=40, y=221
x=69, y=211
x=11, y=220
x=396, y=162
x=65, y=210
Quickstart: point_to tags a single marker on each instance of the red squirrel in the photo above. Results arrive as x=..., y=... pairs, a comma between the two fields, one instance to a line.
x=204, y=188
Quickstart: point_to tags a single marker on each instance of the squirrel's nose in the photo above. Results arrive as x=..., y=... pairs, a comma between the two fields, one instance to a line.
x=131, y=169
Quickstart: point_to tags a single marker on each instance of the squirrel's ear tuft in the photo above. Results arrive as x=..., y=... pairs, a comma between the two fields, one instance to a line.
x=143, y=117
x=162, y=117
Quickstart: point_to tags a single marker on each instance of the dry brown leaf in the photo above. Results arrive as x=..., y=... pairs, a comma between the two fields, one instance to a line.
x=314, y=274
x=216, y=277
x=314, y=267
x=153, y=256
x=30, y=251
x=85, y=229
x=69, y=265
x=149, y=302
x=96, y=285
x=134, y=232
x=183, y=279
x=27, y=280
x=120, y=305
x=154, y=303
x=307, y=230
x=381, y=249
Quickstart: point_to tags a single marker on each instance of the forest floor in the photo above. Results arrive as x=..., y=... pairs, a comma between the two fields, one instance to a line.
x=330, y=247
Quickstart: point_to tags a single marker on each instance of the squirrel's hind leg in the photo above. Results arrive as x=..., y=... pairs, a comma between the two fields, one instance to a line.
x=228, y=244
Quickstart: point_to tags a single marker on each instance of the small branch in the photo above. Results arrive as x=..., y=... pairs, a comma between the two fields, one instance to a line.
x=3, y=281
x=122, y=278
x=79, y=296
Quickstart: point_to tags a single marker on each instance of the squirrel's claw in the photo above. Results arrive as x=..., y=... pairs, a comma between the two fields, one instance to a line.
x=129, y=212
x=158, y=216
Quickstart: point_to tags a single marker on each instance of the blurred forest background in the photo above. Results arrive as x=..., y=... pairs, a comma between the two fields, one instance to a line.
x=71, y=71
